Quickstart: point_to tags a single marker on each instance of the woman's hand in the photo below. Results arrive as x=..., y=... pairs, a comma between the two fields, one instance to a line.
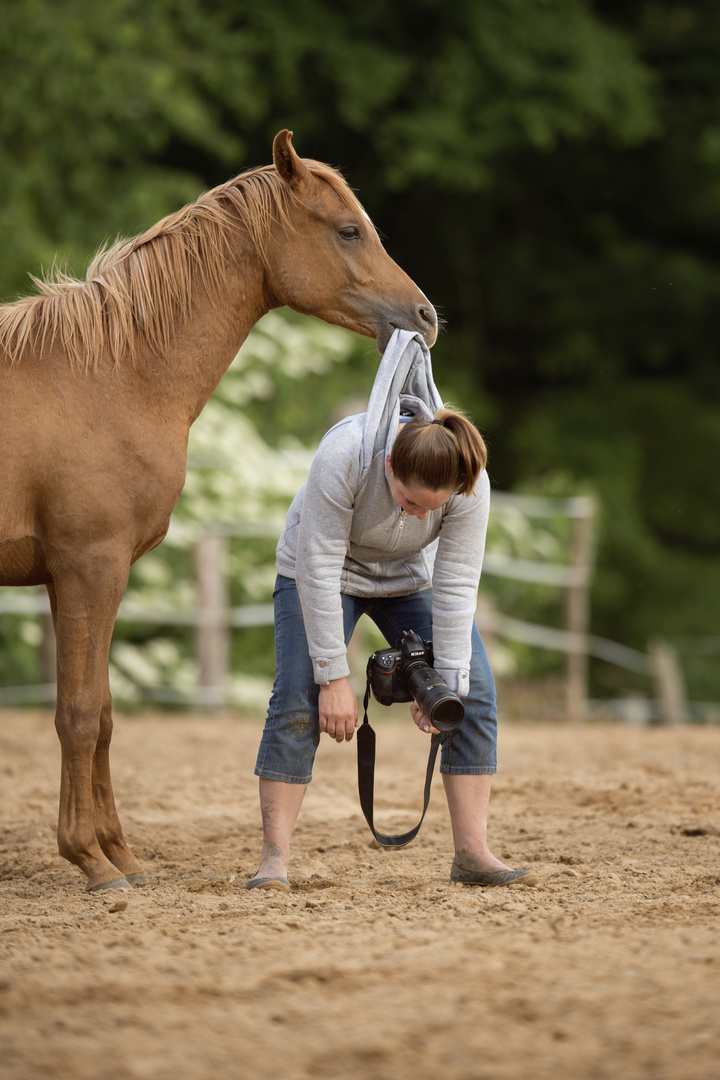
x=338, y=709
x=421, y=719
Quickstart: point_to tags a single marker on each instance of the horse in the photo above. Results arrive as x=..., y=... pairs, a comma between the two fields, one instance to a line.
x=100, y=380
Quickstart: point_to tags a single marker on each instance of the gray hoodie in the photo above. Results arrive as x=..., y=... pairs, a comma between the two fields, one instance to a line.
x=346, y=534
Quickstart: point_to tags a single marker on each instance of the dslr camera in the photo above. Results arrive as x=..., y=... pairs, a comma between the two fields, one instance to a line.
x=405, y=673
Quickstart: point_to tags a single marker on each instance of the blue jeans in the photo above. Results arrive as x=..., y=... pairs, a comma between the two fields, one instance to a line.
x=292, y=728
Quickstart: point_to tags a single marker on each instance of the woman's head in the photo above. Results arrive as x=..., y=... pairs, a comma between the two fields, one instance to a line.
x=446, y=454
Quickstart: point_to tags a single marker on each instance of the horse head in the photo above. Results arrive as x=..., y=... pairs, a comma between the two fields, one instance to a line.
x=331, y=262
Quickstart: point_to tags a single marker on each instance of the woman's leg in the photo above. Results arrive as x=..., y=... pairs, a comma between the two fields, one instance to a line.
x=289, y=739
x=469, y=755
x=279, y=807
x=291, y=734
x=468, y=799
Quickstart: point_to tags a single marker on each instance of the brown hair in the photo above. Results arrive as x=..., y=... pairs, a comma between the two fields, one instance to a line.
x=448, y=452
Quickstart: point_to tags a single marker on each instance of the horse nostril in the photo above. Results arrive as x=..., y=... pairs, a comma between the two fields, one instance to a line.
x=427, y=314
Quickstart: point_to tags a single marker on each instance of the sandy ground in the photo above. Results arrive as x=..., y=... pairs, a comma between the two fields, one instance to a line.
x=375, y=966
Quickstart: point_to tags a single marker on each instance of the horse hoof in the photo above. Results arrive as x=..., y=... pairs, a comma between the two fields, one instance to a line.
x=114, y=883
x=140, y=878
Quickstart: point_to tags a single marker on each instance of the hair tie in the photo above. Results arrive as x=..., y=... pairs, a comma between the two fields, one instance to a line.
x=440, y=422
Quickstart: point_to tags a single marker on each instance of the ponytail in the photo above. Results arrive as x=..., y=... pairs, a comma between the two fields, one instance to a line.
x=447, y=452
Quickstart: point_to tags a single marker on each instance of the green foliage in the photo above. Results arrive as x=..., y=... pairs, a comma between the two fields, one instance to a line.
x=547, y=170
x=93, y=99
x=114, y=113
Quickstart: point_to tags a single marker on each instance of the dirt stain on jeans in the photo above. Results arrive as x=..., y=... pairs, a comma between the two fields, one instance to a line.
x=299, y=728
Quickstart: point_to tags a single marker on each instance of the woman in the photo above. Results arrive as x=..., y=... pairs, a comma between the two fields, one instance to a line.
x=391, y=523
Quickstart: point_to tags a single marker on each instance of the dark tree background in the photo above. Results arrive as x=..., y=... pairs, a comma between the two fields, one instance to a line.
x=547, y=170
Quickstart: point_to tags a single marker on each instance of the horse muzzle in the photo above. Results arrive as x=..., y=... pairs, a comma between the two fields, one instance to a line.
x=421, y=320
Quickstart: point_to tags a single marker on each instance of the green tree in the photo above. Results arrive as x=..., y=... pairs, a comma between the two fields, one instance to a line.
x=547, y=170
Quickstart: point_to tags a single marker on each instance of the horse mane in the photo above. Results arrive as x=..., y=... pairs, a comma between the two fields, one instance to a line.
x=135, y=290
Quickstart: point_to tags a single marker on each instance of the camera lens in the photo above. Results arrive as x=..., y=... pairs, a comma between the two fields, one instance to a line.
x=447, y=713
x=443, y=708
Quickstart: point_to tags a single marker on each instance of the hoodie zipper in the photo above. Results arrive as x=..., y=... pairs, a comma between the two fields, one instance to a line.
x=399, y=530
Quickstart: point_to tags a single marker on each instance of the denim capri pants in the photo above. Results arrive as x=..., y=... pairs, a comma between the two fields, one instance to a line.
x=292, y=728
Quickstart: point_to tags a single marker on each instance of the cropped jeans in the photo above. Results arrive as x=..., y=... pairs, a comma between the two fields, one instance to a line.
x=292, y=727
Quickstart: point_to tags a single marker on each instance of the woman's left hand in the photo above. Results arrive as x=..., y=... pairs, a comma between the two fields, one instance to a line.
x=421, y=719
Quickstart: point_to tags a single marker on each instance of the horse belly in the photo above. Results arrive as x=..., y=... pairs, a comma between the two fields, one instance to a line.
x=22, y=562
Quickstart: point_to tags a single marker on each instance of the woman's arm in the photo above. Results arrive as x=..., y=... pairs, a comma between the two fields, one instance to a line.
x=456, y=576
x=323, y=533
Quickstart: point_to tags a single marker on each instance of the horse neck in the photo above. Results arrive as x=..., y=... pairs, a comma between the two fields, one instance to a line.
x=208, y=340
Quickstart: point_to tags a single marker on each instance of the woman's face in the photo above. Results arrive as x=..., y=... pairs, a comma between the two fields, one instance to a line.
x=416, y=501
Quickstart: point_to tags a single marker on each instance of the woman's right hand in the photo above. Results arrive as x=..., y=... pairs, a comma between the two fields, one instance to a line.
x=421, y=720
x=338, y=710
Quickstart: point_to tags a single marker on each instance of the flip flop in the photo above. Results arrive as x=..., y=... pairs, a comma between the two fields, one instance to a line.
x=280, y=883
x=463, y=875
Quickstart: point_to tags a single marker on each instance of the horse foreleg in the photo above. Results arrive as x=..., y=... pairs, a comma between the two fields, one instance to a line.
x=107, y=823
x=84, y=608
x=77, y=839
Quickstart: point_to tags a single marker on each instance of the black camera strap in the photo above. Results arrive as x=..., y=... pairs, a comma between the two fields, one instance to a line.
x=366, y=779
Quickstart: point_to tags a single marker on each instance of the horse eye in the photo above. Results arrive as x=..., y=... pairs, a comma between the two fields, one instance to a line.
x=350, y=233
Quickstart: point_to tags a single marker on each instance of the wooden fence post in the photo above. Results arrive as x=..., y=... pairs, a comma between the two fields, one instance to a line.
x=577, y=614
x=212, y=634
x=669, y=682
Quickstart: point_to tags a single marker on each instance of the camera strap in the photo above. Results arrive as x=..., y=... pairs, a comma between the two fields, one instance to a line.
x=366, y=779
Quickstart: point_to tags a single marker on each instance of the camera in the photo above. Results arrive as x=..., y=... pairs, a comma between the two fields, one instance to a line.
x=405, y=673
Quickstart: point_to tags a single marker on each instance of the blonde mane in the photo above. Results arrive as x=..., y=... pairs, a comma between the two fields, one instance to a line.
x=135, y=291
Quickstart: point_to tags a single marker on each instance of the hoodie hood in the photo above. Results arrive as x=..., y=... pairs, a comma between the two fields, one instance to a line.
x=404, y=380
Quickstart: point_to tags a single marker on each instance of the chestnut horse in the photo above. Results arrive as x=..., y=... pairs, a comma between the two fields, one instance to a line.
x=100, y=381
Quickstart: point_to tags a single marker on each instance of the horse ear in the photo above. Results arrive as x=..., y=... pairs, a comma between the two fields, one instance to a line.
x=288, y=164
